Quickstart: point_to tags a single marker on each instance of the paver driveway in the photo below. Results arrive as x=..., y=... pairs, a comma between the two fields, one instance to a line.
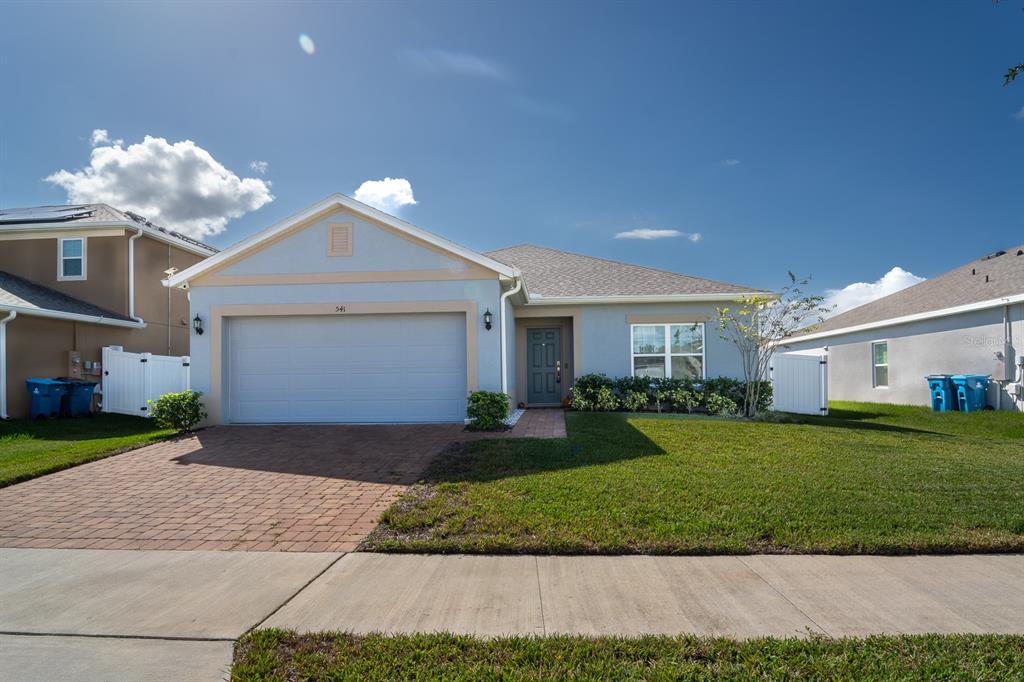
x=285, y=488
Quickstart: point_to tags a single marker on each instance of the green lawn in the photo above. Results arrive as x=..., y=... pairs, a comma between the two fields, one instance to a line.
x=33, y=448
x=868, y=479
x=275, y=655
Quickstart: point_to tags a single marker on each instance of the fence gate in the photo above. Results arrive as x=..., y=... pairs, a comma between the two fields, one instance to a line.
x=131, y=379
x=800, y=383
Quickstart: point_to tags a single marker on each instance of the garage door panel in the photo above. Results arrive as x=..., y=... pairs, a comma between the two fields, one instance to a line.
x=360, y=368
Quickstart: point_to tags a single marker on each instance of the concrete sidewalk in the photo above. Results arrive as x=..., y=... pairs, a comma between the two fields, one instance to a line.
x=742, y=596
x=166, y=615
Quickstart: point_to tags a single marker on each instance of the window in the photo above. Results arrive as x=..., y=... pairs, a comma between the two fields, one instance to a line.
x=668, y=350
x=71, y=259
x=880, y=363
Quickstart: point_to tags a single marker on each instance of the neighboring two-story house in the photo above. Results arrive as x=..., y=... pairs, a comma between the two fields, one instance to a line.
x=76, y=278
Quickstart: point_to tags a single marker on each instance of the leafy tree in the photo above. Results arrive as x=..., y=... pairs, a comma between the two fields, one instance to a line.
x=1013, y=71
x=759, y=324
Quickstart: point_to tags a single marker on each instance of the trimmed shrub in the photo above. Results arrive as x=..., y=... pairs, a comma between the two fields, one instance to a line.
x=488, y=410
x=719, y=404
x=634, y=401
x=683, y=400
x=178, y=411
x=594, y=392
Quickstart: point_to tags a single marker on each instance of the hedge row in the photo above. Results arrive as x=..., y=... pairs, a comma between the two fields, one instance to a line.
x=720, y=395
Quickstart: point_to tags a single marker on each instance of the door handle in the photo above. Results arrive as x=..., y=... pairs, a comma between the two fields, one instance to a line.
x=558, y=371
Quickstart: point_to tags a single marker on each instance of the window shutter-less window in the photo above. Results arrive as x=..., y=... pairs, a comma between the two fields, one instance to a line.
x=339, y=239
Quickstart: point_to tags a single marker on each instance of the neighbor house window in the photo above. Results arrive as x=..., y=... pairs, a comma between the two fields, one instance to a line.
x=72, y=258
x=880, y=362
x=668, y=350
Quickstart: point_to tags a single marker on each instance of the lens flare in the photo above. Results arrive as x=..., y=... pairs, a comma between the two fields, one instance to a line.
x=306, y=43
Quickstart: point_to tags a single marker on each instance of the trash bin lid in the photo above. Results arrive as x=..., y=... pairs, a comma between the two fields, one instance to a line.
x=45, y=382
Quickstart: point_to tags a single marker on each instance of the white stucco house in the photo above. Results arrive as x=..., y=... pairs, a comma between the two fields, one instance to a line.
x=343, y=313
x=969, y=320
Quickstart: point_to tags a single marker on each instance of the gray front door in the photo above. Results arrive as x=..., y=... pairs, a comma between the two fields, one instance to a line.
x=544, y=366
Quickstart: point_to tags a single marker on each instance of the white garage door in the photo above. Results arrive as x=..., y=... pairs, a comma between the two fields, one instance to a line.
x=358, y=368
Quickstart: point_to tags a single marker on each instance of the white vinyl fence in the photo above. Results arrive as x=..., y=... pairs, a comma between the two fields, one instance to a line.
x=800, y=383
x=130, y=379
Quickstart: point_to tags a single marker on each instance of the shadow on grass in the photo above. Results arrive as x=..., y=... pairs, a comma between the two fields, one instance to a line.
x=490, y=460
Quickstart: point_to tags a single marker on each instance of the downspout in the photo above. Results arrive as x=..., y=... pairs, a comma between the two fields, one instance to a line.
x=131, y=276
x=501, y=327
x=3, y=362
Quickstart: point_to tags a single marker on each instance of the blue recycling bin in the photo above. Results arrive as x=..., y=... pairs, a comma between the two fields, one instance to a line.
x=971, y=391
x=77, y=400
x=45, y=396
x=941, y=389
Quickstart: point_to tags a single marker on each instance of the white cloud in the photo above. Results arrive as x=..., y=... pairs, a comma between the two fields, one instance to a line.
x=445, y=63
x=260, y=167
x=307, y=44
x=179, y=185
x=645, y=233
x=100, y=136
x=730, y=162
x=1019, y=115
x=859, y=293
x=388, y=195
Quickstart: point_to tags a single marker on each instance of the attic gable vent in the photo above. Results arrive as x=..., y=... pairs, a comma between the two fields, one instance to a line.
x=339, y=239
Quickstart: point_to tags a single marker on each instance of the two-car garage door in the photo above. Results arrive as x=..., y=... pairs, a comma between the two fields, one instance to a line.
x=347, y=368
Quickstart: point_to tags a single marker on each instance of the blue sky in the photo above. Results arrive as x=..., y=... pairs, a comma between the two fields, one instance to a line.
x=832, y=139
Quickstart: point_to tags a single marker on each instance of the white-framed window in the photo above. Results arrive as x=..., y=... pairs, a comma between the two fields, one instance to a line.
x=667, y=350
x=880, y=364
x=71, y=258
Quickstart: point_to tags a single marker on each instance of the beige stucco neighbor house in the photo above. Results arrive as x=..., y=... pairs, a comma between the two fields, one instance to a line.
x=969, y=320
x=343, y=313
x=76, y=278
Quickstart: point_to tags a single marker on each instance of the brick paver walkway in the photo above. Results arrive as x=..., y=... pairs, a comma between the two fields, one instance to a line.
x=279, y=488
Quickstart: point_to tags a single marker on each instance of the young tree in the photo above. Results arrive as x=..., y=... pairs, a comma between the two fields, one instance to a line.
x=759, y=324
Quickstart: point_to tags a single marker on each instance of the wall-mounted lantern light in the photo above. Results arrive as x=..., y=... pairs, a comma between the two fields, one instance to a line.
x=197, y=325
x=488, y=318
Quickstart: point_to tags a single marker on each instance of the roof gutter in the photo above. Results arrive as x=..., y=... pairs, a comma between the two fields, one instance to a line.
x=501, y=331
x=74, y=317
x=131, y=277
x=3, y=363
x=671, y=298
x=906, y=319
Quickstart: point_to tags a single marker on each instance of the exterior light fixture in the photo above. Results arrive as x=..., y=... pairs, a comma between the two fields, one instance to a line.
x=488, y=318
x=197, y=325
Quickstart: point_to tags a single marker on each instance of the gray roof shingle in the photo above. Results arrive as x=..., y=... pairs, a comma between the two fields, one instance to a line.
x=22, y=293
x=550, y=273
x=983, y=279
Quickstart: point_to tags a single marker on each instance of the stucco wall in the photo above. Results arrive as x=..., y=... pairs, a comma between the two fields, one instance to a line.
x=374, y=249
x=959, y=344
x=606, y=338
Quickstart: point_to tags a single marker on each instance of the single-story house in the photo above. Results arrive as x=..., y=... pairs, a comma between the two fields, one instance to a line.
x=343, y=313
x=969, y=320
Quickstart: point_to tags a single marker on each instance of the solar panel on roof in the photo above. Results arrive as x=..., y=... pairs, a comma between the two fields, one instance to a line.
x=43, y=214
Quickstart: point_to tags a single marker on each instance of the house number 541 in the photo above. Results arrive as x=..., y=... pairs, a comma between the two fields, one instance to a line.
x=339, y=308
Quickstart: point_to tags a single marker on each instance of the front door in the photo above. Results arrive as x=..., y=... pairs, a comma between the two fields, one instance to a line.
x=544, y=363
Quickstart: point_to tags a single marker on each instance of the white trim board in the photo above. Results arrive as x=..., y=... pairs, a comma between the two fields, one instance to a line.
x=906, y=319
x=347, y=203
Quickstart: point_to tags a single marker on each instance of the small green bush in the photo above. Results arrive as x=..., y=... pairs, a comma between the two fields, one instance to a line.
x=593, y=392
x=634, y=401
x=719, y=404
x=487, y=410
x=178, y=411
x=683, y=400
